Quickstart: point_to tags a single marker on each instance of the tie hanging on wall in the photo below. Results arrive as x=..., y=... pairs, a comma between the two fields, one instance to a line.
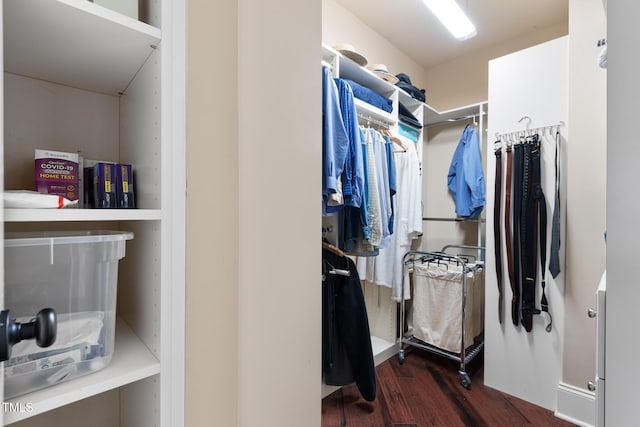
x=525, y=222
x=554, y=256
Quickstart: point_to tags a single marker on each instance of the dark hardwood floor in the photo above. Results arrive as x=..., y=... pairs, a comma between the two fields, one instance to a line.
x=426, y=391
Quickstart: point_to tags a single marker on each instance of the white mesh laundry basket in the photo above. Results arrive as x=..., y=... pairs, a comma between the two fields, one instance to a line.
x=437, y=305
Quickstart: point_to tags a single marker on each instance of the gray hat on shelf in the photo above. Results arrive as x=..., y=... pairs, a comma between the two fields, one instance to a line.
x=350, y=52
x=381, y=71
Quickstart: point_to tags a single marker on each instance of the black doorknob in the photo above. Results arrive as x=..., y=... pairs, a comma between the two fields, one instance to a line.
x=43, y=328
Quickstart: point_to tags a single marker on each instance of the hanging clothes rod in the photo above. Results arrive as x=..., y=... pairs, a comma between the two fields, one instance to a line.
x=328, y=229
x=326, y=64
x=457, y=219
x=375, y=121
x=473, y=117
x=513, y=137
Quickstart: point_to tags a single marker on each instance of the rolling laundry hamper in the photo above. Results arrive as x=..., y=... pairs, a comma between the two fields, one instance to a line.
x=447, y=307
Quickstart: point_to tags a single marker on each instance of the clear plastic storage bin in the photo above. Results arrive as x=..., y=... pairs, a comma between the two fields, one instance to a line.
x=76, y=274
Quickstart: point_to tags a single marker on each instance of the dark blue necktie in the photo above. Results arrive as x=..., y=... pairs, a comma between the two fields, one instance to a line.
x=554, y=255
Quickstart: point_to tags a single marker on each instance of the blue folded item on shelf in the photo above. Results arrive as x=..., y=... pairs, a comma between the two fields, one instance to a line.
x=370, y=96
x=409, y=132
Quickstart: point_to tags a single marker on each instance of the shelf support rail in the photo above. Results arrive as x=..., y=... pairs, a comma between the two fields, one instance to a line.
x=375, y=121
x=473, y=117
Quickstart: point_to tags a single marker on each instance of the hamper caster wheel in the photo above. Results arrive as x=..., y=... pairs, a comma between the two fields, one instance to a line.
x=401, y=356
x=465, y=380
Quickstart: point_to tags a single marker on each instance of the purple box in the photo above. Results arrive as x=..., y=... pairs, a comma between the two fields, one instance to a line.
x=104, y=186
x=56, y=172
x=124, y=186
x=87, y=178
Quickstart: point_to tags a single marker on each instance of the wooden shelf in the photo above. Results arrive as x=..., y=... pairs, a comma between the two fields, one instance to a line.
x=75, y=43
x=53, y=215
x=132, y=361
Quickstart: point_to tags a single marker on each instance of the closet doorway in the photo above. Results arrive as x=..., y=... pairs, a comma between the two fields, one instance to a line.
x=404, y=37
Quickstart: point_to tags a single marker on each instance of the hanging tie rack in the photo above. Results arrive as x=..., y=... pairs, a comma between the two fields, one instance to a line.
x=514, y=137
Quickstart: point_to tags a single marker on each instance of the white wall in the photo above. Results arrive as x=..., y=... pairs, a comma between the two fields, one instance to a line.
x=586, y=187
x=623, y=204
x=532, y=82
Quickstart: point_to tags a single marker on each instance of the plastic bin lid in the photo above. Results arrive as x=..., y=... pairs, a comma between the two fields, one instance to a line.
x=39, y=238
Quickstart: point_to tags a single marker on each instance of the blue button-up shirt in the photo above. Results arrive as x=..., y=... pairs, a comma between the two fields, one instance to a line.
x=353, y=173
x=335, y=141
x=466, y=178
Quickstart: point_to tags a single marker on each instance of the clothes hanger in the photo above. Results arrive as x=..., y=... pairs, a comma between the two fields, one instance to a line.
x=395, y=139
x=338, y=271
x=328, y=246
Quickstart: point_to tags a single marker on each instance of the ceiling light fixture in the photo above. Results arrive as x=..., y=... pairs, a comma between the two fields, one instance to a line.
x=452, y=17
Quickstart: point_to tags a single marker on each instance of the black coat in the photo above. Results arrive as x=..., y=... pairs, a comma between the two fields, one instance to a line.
x=346, y=342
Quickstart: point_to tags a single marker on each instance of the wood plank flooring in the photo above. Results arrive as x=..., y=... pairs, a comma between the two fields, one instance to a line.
x=426, y=391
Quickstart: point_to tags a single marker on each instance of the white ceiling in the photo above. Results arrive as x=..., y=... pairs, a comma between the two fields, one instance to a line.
x=413, y=29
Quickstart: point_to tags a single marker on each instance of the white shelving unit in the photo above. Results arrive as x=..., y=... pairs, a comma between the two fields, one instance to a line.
x=381, y=309
x=82, y=78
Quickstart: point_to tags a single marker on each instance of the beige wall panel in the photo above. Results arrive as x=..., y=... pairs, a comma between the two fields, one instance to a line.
x=280, y=155
x=212, y=215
